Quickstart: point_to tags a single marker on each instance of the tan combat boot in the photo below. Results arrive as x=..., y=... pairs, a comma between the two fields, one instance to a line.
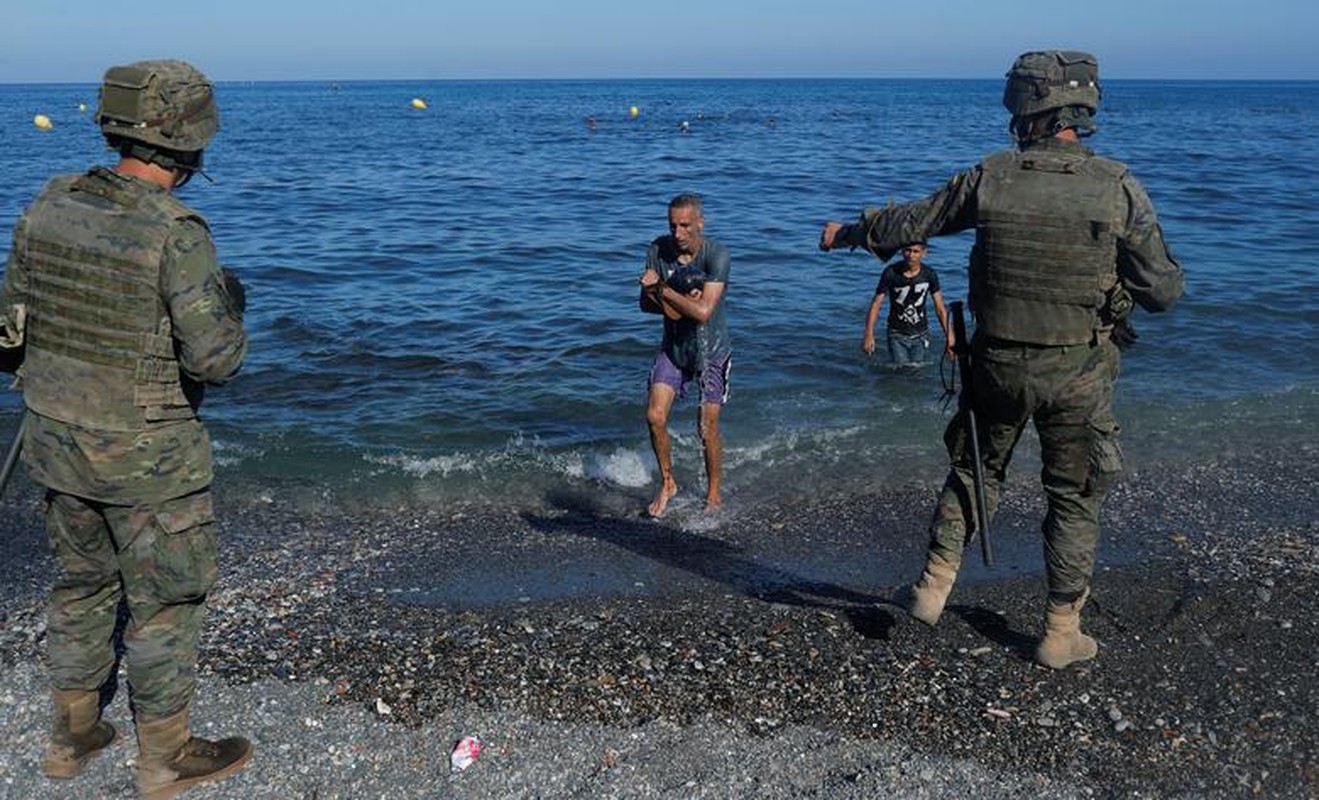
x=930, y=593
x=1063, y=643
x=171, y=759
x=78, y=733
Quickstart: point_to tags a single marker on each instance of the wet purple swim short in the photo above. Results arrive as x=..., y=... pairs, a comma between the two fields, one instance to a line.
x=713, y=379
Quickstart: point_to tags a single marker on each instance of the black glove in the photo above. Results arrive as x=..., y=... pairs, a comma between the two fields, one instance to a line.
x=11, y=358
x=1123, y=335
x=234, y=288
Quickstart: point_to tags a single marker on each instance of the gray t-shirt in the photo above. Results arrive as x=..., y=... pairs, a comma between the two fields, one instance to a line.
x=691, y=345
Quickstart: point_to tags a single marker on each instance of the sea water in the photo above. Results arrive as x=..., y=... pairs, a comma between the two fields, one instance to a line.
x=443, y=301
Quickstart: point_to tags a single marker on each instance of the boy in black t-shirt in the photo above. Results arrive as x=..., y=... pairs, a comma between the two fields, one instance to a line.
x=906, y=284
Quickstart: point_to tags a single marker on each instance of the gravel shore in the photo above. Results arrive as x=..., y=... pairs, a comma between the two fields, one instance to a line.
x=760, y=655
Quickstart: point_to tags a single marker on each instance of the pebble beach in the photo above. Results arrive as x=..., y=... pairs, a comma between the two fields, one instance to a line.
x=764, y=653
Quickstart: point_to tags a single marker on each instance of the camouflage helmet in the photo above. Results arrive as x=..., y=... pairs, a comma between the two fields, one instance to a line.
x=1044, y=80
x=164, y=104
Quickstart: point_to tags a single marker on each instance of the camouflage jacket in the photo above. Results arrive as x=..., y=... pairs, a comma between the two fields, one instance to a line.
x=158, y=275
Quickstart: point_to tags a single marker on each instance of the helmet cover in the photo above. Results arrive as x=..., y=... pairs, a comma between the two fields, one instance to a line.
x=1041, y=81
x=165, y=104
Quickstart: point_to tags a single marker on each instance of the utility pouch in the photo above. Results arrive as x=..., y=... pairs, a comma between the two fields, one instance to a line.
x=1104, y=466
x=184, y=564
x=123, y=95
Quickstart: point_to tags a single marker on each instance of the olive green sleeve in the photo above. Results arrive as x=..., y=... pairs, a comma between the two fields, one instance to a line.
x=13, y=306
x=883, y=231
x=1145, y=265
x=208, y=329
x=11, y=291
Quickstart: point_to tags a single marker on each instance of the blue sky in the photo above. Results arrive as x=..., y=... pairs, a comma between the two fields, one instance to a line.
x=74, y=40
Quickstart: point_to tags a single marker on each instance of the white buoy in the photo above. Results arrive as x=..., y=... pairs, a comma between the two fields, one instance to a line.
x=634, y=112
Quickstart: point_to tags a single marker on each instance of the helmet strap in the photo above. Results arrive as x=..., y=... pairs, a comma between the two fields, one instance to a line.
x=1028, y=129
x=184, y=164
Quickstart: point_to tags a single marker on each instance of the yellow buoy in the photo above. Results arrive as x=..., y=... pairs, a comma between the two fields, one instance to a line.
x=634, y=112
x=43, y=122
x=417, y=102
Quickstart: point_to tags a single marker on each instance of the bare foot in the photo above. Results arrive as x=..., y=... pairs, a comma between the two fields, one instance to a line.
x=666, y=492
x=713, y=504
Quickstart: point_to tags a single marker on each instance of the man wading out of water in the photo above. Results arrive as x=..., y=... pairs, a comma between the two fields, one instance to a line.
x=684, y=280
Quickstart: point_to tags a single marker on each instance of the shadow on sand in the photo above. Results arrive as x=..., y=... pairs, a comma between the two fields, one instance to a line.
x=994, y=627
x=713, y=559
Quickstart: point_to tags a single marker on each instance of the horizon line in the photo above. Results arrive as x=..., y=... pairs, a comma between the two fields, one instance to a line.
x=637, y=78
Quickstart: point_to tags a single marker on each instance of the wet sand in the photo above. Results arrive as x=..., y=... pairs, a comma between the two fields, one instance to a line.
x=770, y=628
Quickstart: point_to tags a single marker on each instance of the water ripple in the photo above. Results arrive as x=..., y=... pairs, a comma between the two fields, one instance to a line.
x=451, y=281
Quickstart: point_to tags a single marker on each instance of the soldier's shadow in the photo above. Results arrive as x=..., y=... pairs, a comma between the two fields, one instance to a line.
x=994, y=627
x=713, y=559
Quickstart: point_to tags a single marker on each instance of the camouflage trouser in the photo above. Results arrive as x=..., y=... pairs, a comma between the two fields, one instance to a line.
x=1068, y=391
x=160, y=558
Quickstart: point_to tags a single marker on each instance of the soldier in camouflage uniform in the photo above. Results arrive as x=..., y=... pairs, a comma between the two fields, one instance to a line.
x=1065, y=242
x=120, y=315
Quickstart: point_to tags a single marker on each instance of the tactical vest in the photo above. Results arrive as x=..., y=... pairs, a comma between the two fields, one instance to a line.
x=100, y=346
x=1045, y=254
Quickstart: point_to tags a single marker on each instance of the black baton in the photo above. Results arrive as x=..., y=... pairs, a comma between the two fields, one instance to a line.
x=12, y=459
x=962, y=349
